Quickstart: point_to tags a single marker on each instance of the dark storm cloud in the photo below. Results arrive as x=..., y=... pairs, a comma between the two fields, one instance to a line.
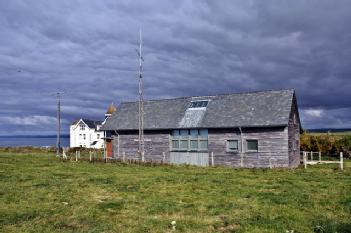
x=87, y=48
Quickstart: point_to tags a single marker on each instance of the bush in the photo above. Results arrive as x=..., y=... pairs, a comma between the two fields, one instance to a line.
x=326, y=143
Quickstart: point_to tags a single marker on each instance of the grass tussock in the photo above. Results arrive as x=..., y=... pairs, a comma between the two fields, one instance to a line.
x=39, y=193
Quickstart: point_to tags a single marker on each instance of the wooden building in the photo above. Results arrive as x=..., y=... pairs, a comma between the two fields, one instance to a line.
x=257, y=129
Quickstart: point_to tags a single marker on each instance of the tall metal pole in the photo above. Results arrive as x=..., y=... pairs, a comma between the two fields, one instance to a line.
x=141, y=103
x=58, y=141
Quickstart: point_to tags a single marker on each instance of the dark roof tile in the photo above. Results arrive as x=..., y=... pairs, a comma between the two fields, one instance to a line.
x=265, y=108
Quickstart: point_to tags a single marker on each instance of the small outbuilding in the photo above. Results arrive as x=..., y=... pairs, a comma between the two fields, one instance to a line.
x=254, y=129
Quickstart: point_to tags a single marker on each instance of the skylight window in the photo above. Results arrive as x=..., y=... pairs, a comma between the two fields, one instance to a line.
x=199, y=104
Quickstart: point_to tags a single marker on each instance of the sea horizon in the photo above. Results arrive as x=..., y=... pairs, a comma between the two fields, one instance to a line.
x=32, y=140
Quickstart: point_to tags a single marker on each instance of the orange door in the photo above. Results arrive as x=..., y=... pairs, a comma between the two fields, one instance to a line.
x=109, y=149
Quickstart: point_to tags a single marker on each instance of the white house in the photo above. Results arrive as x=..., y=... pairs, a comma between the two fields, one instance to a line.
x=86, y=133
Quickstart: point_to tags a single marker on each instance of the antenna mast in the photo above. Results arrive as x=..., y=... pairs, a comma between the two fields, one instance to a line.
x=58, y=115
x=141, y=102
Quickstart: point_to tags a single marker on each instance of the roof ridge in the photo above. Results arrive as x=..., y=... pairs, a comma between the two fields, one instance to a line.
x=222, y=94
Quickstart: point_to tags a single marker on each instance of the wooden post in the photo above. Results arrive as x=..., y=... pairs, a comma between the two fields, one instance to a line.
x=311, y=155
x=64, y=156
x=270, y=160
x=320, y=156
x=341, y=161
x=305, y=159
x=76, y=155
x=241, y=160
x=163, y=157
x=90, y=156
x=212, y=159
x=124, y=156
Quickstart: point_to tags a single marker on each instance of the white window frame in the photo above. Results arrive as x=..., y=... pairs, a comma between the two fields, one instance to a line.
x=179, y=137
x=247, y=145
x=227, y=145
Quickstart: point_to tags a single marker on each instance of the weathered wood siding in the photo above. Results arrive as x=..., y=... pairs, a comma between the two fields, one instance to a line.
x=294, y=136
x=156, y=142
x=272, y=147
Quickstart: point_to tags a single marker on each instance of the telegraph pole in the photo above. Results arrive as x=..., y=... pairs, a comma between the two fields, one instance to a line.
x=141, y=102
x=58, y=116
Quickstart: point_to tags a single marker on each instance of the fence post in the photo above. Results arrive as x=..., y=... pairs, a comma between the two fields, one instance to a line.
x=311, y=155
x=270, y=160
x=212, y=159
x=341, y=161
x=320, y=156
x=241, y=160
x=64, y=156
x=90, y=156
x=163, y=157
x=76, y=155
x=305, y=159
x=124, y=156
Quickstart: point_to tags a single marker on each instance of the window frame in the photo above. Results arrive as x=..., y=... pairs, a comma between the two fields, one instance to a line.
x=199, y=138
x=198, y=104
x=247, y=145
x=231, y=150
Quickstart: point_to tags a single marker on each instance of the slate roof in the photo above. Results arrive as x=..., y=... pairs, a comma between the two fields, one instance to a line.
x=252, y=109
x=90, y=123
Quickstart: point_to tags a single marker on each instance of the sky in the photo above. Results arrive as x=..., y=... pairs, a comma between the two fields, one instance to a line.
x=87, y=49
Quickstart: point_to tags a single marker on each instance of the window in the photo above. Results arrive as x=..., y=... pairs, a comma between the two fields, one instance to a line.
x=175, y=144
x=82, y=127
x=252, y=145
x=184, y=132
x=98, y=136
x=203, y=144
x=84, y=136
x=189, y=140
x=199, y=104
x=203, y=132
x=80, y=136
x=183, y=144
x=232, y=145
x=194, y=132
x=194, y=144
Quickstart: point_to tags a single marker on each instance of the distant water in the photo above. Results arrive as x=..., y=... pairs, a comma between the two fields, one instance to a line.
x=16, y=141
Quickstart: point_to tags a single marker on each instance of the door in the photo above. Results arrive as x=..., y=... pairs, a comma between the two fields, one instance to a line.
x=109, y=149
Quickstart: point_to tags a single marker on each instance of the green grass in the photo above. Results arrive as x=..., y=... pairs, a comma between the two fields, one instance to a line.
x=38, y=193
x=344, y=133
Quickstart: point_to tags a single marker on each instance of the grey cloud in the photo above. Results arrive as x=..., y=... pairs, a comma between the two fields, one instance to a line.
x=190, y=48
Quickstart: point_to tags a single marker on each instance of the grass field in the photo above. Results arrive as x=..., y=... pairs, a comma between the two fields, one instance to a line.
x=38, y=193
x=343, y=133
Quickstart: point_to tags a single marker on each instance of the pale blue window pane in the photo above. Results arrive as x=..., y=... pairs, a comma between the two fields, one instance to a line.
x=183, y=144
x=184, y=132
x=203, y=132
x=175, y=132
x=194, y=132
x=233, y=145
x=203, y=144
x=193, y=145
x=175, y=144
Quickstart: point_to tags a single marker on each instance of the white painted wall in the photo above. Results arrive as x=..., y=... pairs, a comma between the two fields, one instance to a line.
x=84, y=136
